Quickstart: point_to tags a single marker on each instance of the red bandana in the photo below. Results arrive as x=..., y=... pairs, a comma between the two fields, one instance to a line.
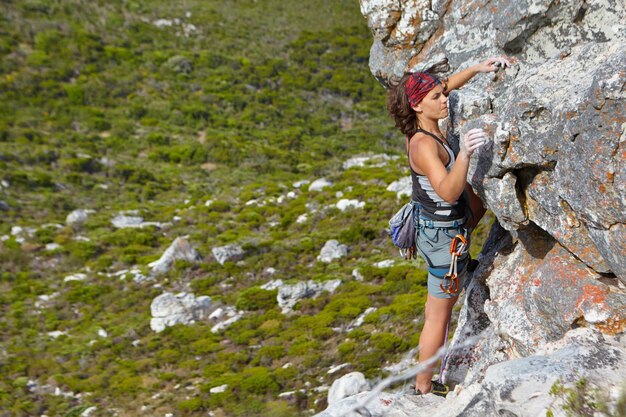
x=418, y=85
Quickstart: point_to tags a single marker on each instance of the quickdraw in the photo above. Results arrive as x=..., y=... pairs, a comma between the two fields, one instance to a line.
x=457, y=246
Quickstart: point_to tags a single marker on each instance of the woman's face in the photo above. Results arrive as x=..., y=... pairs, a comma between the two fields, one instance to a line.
x=434, y=105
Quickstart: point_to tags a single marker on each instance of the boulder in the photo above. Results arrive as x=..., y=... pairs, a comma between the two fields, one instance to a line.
x=169, y=309
x=332, y=250
x=403, y=187
x=319, y=184
x=345, y=204
x=346, y=386
x=226, y=253
x=289, y=295
x=180, y=249
x=78, y=217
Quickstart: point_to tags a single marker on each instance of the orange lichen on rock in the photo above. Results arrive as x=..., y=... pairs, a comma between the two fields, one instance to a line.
x=612, y=326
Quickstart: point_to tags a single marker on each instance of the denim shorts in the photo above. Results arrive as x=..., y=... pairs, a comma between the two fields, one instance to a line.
x=433, y=244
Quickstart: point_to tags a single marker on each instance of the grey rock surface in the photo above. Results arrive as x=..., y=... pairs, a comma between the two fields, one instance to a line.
x=332, y=250
x=180, y=249
x=78, y=217
x=548, y=298
x=346, y=386
x=557, y=116
x=289, y=294
x=226, y=253
x=169, y=309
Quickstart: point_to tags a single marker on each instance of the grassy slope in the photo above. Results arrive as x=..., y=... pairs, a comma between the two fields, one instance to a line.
x=101, y=109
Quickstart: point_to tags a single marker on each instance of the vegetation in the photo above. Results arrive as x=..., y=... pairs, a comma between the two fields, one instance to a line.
x=183, y=113
x=582, y=400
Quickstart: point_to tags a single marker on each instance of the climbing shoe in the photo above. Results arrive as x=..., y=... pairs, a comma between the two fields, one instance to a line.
x=436, y=388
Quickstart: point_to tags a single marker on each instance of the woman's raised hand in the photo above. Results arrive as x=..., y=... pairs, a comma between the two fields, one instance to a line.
x=473, y=140
x=493, y=64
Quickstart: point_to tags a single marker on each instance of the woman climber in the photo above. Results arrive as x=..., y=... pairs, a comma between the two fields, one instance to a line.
x=447, y=208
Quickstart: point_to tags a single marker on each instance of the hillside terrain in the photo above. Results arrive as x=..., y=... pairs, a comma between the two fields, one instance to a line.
x=145, y=122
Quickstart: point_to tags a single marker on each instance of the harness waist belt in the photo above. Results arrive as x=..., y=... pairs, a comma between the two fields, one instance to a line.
x=435, y=223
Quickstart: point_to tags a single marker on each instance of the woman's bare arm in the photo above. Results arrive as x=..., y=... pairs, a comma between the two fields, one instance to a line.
x=425, y=157
x=459, y=79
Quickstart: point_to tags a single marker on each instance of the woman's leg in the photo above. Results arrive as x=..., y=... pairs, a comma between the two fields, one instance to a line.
x=438, y=311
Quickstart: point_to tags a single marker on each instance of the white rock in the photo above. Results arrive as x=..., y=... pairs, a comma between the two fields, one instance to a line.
x=56, y=333
x=88, y=411
x=360, y=161
x=346, y=386
x=289, y=295
x=345, y=204
x=208, y=203
x=52, y=246
x=337, y=368
x=78, y=217
x=402, y=187
x=75, y=277
x=168, y=309
x=292, y=195
x=121, y=221
x=219, y=312
x=231, y=252
x=160, y=23
x=357, y=275
x=302, y=218
x=272, y=285
x=270, y=271
x=319, y=184
x=300, y=183
x=233, y=316
x=216, y=390
x=339, y=194
x=102, y=333
x=180, y=249
x=136, y=343
x=332, y=250
x=387, y=263
x=359, y=320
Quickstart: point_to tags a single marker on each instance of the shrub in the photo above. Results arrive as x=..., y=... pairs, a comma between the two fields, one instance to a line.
x=256, y=298
x=258, y=380
x=388, y=343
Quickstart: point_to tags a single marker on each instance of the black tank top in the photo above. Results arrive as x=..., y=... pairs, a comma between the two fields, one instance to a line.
x=435, y=207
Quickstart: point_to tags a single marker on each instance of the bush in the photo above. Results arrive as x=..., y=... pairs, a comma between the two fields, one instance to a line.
x=258, y=380
x=256, y=298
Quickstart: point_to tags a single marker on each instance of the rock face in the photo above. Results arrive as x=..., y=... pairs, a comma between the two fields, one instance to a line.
x=559, y=111
x=548, y=297
x=168, y=309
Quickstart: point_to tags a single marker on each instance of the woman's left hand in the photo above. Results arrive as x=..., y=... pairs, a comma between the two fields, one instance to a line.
x=493, y=64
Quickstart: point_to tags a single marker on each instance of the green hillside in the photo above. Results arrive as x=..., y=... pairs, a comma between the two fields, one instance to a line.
x=159, y=107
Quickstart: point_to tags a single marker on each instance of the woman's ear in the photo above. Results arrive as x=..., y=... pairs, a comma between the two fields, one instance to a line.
x=418, y=108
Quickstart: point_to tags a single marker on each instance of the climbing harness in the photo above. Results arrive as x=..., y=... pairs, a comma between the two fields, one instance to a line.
x=450, y=283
